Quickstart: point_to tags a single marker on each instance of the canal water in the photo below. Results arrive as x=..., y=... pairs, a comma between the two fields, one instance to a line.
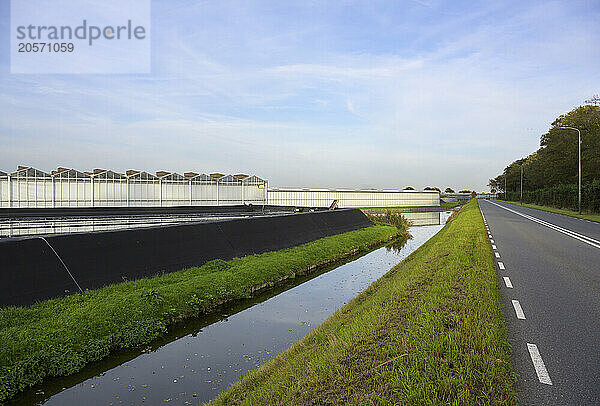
x=200, y=359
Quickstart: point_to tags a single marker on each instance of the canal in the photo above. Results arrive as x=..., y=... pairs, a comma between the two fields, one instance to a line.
x=201, y=358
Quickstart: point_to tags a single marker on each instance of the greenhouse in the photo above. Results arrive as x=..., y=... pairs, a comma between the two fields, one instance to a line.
x=352, y=198
x=65, y=187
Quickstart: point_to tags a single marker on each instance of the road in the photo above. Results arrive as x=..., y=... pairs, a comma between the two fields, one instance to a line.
x=549, y=271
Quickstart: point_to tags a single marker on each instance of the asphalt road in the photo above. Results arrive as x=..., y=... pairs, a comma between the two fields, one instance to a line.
x=552, y=263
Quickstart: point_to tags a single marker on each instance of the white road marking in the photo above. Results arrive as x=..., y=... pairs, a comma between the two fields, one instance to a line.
x=518, y=310
x=494, y=247
x=490, y=236
x=501, y=265
x=538, y=364
x=588, y=240
x=507, y=282
x=492, y=241
x=497, y=255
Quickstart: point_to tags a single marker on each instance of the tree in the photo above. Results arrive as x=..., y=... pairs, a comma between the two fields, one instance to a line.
x=465, y=191
x=432, y=188
x=409, y=188
x=556, y=161
x=449, y=190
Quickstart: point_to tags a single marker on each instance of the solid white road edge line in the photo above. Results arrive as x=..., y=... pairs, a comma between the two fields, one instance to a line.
x=588, y=240
x=507, y=282
x=518, y=310
x=538, y=364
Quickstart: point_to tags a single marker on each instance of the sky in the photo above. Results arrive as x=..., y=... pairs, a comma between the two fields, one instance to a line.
x=327, y=94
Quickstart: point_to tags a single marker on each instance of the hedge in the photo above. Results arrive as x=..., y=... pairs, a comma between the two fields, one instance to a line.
x=562, y=196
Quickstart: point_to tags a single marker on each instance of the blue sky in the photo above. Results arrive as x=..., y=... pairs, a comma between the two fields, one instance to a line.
x=352, y=94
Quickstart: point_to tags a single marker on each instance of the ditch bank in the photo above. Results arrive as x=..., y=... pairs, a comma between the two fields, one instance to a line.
x=430, y=331
x=60, y=336
x=41, y=268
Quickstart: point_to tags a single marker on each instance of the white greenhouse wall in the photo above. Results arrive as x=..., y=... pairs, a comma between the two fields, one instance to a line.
x=29, y=187
x=352, y=198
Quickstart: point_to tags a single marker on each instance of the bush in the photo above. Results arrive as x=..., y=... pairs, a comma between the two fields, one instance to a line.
x=393, y=219
x=563, y=196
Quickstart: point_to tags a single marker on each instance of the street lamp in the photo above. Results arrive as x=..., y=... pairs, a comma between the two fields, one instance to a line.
x=579, y=144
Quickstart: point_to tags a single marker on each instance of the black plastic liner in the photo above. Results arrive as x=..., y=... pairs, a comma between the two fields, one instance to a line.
x=30, y=271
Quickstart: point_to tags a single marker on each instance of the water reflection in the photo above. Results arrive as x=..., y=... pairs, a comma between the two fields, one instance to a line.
x=43, y=226
x=424, y=219
x=397, y=245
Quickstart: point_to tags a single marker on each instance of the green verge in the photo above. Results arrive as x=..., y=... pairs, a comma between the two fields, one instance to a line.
x=450, y=204
x=429, y=332
x=59, y=337
x=566, y=212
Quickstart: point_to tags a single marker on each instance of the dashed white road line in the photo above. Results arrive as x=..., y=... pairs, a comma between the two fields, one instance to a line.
x=497, y=255
x=538, y=364
x=518, y=310
x=501, y=265
x=507, y=282
x=494, y=247
x=492, y=241
x=588, y=240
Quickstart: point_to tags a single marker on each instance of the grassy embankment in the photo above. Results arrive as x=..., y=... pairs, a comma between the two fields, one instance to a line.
x=566, y=212
x=450, y=204
x=429, y=332
x=58, y=337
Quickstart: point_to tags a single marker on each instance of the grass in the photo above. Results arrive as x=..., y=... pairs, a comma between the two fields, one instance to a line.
x=429, y=332
x=451, y=204
x=393, y=219
x=566, y=212
x=59, y=337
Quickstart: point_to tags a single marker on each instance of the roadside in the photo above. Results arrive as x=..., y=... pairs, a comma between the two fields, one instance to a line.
x=430, y=331
x=566, y=212
x=60, y=336
x=548, y=271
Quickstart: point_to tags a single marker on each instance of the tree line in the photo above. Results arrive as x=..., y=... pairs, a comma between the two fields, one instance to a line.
x=552, y=170
x=447, y=190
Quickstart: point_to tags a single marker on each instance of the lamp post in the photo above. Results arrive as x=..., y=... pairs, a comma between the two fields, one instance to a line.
x=579, y=145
